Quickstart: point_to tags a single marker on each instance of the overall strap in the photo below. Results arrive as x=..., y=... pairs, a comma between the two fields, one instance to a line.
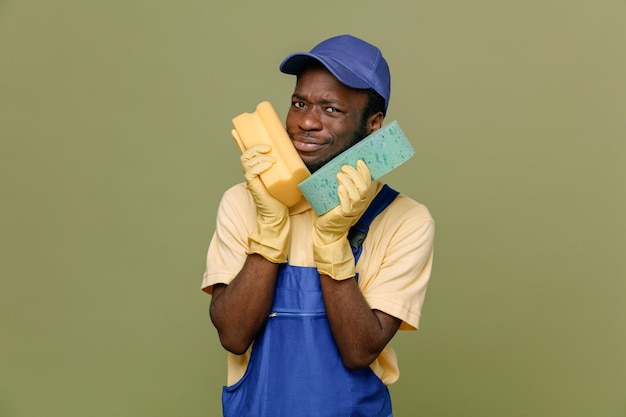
x=357, y=233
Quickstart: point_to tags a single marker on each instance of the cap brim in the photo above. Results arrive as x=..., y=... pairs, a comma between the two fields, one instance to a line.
x=295, y=63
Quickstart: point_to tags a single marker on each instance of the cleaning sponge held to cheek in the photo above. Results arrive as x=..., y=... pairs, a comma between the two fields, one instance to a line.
x=382, y=151
x=264, y=127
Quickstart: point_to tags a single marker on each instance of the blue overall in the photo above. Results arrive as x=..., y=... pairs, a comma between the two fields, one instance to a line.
x=295, y=369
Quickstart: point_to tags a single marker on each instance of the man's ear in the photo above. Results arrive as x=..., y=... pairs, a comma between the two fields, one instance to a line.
x=375, y=121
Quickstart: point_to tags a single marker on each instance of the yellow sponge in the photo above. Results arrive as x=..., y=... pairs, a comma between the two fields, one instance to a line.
x=264, y=127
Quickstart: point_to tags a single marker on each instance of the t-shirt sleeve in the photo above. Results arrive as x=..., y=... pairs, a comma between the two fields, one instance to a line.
x=227, y=249
x=397, y=271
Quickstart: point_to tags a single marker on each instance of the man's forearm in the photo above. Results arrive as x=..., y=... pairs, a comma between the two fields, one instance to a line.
x=239, y=310
x=360, y=332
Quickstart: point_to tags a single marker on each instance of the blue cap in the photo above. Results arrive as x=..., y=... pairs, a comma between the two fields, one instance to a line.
x=353, y=61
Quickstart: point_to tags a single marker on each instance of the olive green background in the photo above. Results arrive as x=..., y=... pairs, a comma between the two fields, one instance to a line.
x=115, y=149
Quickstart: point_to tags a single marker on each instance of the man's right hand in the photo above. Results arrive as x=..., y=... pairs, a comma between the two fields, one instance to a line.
x=271, y=236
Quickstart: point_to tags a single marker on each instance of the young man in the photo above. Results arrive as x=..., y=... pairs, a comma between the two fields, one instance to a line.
x=305, y=327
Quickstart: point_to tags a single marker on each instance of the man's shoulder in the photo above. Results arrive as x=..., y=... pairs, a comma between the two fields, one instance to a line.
x=236, y=198
x=405, y=207
x=237, y=189
x=237, y=192
x=408, y=204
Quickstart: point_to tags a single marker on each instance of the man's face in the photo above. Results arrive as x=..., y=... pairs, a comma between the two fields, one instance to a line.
x=325, y=117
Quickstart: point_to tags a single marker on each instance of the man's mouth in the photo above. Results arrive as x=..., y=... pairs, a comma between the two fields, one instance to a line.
x=307, y=144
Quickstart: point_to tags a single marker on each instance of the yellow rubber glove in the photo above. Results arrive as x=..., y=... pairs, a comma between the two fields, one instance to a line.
x=270, y=239
x=331, y=250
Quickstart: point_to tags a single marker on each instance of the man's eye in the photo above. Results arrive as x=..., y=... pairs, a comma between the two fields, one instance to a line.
x=298, y=104
x=332, y=109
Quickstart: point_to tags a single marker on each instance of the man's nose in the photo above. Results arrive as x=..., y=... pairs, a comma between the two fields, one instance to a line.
x=311, y=120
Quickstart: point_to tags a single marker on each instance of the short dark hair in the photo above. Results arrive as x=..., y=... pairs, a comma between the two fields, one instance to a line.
x=375, y=104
